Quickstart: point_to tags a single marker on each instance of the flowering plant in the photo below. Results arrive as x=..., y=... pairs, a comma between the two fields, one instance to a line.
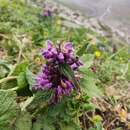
x=47, y=13
x=53, y=74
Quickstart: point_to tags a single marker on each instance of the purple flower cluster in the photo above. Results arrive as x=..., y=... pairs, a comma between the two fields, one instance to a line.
x=47, y=13
x=50, y=76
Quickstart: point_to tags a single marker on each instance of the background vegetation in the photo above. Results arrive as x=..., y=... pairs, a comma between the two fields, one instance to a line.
x=104, y=102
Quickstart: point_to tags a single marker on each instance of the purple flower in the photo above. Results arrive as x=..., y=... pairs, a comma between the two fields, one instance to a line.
x=49, y=45
x=68, y=47
x=74, y=66
x=50, y=76
x=47, y=13
x=61, y=57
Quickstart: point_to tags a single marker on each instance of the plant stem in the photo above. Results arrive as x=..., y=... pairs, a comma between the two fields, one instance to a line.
x=13, y=89
x=7, y=79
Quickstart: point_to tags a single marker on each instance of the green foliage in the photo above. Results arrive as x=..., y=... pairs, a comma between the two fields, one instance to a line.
x=22, y=33
x=20, y=67
x=128, y=73
x=4, y=68
x=8, y=109
x=88, y=60
x=30, y=78
x=21, y=80
x=89, y=86
x=23, y=121
x=67, y=71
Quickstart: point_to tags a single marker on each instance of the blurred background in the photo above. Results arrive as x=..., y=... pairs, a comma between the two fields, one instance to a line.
x=114, y=13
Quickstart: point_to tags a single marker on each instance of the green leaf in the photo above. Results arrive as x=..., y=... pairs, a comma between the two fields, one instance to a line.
x=5, y=65
x=23, y=121
x=38, y=125
x=8, y=109
x=20, y=68
x=68, y=72
x=40, y=98
x=8, y=84
x=21, y=80
x=23, y=86
x=43, y=122
x=4, y=68
x=87, y=59
x=88, y=86
x=30, y=78
x=25, y=82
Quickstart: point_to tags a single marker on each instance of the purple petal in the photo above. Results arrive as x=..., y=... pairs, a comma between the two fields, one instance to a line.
x=70, y=61
x=59, y=91
x=74, y=66
x=49, y=44
x=47, y=13
x=45, y=81
x=61, y=57
x=79, y=63
x=48, y=85
x=68, y=46
x=69, y=84
x=54, y=51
